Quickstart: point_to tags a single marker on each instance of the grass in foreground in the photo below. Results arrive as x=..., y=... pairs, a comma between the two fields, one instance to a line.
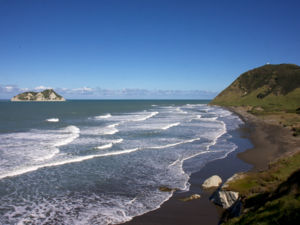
x=271, y=196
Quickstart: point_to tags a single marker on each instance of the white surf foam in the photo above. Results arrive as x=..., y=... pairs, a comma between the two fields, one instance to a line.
x=100, y=130
x=111, y=213
x=104, y=146
x=174, y=144
x=83, y=158
x=108, y=115
x=52, y=120
x=47, y=156
x=111, y=129
x=152, y=114
x=170, y=125
x=73, y=130
x=28, y=169
x=174, y=163
x=23, y=150
x=209, y=119
x=181, y=111
x=117, y=141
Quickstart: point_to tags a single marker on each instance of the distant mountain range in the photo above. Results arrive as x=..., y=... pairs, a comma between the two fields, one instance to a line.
x=46, y=95
x=269, y=87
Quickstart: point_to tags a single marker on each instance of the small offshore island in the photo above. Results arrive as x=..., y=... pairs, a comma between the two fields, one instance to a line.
x=43, y=96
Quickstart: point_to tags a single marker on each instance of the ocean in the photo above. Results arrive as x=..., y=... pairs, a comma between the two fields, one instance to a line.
x=103, y=161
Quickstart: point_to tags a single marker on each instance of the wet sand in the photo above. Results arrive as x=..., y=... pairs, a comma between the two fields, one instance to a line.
x=269, y=142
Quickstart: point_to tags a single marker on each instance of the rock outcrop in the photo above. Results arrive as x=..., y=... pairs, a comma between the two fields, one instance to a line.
x=224, y=198
x=46, y=95
x=167, y=189
x=190, y=198
x=212, y=182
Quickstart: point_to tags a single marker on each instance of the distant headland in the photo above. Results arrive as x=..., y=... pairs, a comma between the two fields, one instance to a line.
x=43, y=96
x=268, y=88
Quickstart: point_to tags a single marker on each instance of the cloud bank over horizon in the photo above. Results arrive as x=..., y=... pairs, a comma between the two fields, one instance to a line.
x=8, y=91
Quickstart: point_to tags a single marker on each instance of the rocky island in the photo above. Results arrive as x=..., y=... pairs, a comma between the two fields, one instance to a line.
x=46, y=95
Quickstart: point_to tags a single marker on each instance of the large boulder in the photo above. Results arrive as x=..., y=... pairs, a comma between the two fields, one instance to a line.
x=224, y=198
x=212, y=182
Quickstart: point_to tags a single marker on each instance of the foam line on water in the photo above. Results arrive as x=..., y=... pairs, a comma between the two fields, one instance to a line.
x=178, y=109
x=63, y=162
x=111, y=132
x=152, y=114
x=75, y=131
x=174, y=163
x=101, y=130
x=174, y=144
x=83, y=158
x=49, y=156
x=170, y=125
x=113, y=125
x=53, y=120
x=101, y=147
x=213, y=142
x=106, y=116
x=117, y=141
x=209, y=118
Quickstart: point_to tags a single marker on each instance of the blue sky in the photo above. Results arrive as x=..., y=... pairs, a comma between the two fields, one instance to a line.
x=148, y=48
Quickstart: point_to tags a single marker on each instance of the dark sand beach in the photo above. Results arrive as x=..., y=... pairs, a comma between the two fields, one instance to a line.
x=269, y=142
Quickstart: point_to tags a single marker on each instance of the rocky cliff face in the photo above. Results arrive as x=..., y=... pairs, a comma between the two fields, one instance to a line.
x=46, y=95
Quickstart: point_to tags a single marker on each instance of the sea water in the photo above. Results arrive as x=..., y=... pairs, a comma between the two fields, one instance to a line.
x=103, y=162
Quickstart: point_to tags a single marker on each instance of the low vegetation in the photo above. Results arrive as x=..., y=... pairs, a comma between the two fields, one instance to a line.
x=272, y=93
x=271, y=196
x=272, y=88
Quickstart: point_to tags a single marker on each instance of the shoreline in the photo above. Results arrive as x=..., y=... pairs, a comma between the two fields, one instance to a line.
x=259, y=144
x=176, y=212
x=271, y=142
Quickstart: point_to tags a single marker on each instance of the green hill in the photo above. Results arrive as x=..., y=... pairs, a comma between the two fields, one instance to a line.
x=271, y=196
x=270, y=87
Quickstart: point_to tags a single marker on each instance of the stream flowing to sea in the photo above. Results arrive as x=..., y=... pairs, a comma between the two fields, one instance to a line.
x=103, y=161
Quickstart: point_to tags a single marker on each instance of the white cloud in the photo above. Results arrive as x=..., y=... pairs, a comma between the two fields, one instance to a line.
x=82, y=90
x=24, y=89
x=7, y=91
x=8, y=88
x=41, y=88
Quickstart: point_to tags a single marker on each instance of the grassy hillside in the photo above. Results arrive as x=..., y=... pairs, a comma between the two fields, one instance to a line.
x=272, y=196
x=270, y=87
